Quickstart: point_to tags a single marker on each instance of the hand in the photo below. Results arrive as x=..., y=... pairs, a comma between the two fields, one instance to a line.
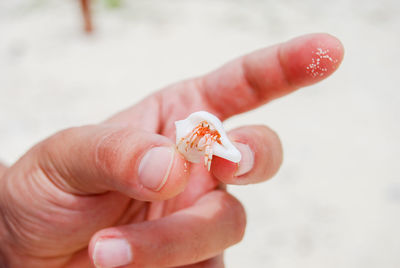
x=118, y=193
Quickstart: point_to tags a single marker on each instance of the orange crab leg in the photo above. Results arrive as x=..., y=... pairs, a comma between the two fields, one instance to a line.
x=202, y=138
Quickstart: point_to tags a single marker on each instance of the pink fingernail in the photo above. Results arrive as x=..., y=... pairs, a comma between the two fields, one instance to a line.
x=155, y=167
x=247, y=161
x=112, y=252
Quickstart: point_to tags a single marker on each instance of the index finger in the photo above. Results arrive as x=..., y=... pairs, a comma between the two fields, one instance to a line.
x=254, y=79
x=241, y=85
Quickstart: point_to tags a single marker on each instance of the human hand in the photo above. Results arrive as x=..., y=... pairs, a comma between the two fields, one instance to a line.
x=118, y=193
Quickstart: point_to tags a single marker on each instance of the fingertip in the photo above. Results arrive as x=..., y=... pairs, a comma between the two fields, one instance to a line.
x=247, y=161
x=173, y=240
x=163, y=172
x=109, y=248
x=177, y=178
x=310, y=58
x=224, y=170
x=261, y=152
x=230, y=172
x=142, y=165
x=155, y=167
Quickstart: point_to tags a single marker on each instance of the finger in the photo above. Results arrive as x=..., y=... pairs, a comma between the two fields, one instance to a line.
x=97, y=159
x=216, y=262
x=241, y=85
x=269, y=73
x=261, y=156
x=188, y=236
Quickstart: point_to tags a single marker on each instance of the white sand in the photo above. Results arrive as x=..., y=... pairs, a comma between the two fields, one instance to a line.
x=336, y=200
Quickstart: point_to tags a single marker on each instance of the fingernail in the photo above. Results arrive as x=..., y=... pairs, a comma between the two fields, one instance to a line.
x=112, y=252
x=247, y=161
x=155, y=167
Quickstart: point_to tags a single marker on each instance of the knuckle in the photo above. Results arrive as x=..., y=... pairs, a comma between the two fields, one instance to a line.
x=107, y=151
x=48, y=149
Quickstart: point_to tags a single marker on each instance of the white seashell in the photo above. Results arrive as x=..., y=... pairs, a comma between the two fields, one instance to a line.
x=202, y=135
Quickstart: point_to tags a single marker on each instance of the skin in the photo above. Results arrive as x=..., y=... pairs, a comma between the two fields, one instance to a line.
x=81, y=185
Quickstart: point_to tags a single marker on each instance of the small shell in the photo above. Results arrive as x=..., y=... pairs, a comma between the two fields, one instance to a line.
x=202, y=135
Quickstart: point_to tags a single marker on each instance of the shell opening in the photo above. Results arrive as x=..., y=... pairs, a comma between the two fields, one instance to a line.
x=202, y=138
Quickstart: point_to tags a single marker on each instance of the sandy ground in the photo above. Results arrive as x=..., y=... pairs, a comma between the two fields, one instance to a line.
x=335, y=201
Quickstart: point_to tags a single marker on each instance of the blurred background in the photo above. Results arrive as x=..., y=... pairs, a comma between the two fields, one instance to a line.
x=335, y=201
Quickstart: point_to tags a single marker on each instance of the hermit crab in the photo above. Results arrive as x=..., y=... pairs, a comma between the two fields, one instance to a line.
x=202, y=135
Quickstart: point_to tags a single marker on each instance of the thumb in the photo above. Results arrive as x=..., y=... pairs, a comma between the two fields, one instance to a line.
x=96, y=159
